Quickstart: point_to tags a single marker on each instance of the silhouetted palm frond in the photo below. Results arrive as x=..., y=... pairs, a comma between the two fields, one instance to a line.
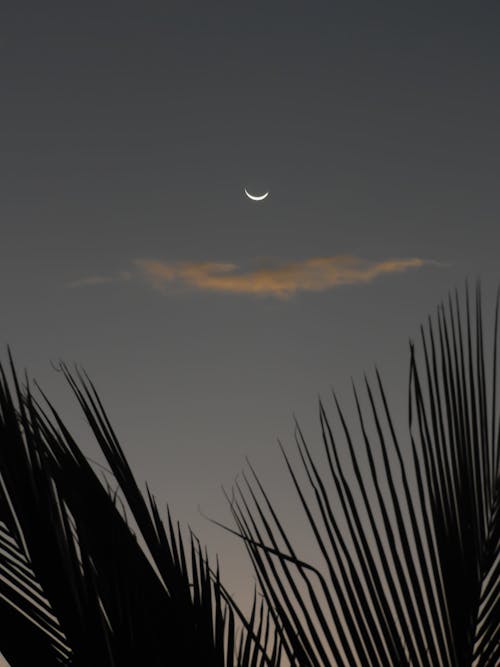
x=76, y=585
x=407, y=529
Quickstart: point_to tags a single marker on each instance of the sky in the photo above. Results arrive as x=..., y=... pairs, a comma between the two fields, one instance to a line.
x=206, y=320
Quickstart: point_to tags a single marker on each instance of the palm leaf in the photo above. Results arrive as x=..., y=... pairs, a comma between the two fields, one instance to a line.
x=75, y=579
x=407, y=529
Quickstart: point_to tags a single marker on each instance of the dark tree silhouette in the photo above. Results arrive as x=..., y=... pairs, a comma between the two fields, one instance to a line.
x=407, y=530
x=76, y=585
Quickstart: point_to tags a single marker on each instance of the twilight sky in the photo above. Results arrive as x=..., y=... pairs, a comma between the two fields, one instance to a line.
x=128, y=132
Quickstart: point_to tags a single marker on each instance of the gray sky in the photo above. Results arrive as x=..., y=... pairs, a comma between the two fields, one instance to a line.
x=128, y=132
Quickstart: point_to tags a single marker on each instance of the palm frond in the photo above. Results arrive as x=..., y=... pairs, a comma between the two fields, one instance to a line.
x=76, y=580
x=407, y=529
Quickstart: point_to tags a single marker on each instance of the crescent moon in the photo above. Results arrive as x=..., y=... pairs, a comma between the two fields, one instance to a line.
x=256, y=197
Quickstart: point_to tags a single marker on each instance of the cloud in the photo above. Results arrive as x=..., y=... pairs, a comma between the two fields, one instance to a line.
x=101, y=280
x=280, y=279
x=275, y=278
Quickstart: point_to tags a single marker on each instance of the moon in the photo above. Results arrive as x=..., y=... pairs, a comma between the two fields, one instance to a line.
x=256, y=197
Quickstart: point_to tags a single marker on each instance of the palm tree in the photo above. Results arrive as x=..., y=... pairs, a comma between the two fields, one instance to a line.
x=82, y=584
x=407, y=529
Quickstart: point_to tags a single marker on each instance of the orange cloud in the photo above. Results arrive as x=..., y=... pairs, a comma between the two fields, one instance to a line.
x=273, y=278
